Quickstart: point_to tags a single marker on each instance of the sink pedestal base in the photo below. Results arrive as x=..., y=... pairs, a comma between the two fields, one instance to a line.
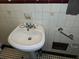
x=33, y=55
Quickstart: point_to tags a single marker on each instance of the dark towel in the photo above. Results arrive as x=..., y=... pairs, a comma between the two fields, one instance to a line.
x=73, y=7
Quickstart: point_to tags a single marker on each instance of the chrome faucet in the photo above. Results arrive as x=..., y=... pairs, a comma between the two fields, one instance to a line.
x=29, y=26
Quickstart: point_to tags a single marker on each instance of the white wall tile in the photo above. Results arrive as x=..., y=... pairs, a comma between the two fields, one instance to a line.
x=51, y=16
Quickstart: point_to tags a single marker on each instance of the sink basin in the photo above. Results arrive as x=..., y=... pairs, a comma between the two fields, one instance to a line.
x=25, y=40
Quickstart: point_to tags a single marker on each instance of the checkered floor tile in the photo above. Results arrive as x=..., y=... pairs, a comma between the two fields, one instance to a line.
x=9, y=53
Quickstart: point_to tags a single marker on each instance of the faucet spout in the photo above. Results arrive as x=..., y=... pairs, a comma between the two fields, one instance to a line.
x=29, y=26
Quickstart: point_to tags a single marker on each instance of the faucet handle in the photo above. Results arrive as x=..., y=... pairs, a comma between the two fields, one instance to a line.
x=22, y=26
x=34, y=26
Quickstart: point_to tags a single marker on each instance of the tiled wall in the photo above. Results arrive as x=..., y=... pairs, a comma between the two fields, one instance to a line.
x=51, y=16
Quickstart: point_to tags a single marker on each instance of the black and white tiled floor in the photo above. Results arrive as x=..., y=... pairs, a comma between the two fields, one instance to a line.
x=9, y=53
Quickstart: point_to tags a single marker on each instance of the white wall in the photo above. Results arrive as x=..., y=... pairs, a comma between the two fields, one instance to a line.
x=51, y=16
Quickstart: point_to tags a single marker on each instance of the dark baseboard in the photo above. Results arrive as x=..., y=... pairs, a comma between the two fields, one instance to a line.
x=4, y=45
x=60, y=54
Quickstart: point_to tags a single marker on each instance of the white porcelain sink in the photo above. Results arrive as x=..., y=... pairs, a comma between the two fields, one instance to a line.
x=24, y=40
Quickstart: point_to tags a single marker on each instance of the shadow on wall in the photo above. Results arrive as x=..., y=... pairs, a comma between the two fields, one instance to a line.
x=6, y=26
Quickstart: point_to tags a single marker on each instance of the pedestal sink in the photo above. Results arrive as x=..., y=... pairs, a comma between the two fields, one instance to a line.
x=27, y=37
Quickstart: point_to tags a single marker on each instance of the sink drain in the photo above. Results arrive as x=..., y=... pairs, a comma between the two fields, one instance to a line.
x=29, y=38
